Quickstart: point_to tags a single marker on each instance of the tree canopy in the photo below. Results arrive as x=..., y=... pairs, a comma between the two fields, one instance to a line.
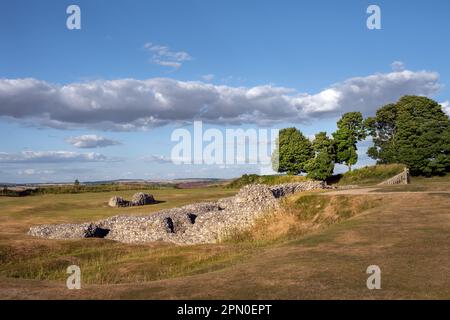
x=415, y=131
x=350, y=130
x=292, y=152
x=321, y=166
x=383, y=128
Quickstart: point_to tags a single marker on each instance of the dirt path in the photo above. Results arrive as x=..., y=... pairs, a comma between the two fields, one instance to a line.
x=358, y=191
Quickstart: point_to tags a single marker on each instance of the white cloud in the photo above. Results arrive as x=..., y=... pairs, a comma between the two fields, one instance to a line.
x=50, y=157
x=129, y=104
x=32, y=172
x=163, y=56
x=91, y=141
x=398, y=66
x=171, y=64
x=156, y=158
x=208, y=77
x=446, y=107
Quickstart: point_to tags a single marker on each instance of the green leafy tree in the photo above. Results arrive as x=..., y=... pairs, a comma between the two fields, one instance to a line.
x=77, y=183
x=292, y=153
x=321, y=166
x=414, y=131
x=383, y=129
x=350, y=131
x=322, y=143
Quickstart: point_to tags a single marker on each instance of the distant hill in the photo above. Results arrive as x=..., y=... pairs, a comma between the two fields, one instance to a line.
x=116, y=181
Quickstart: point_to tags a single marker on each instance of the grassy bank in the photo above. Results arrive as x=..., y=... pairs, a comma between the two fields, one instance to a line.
x=301, y=214
x=362, y=176
x=369, y=175
x=268, y=179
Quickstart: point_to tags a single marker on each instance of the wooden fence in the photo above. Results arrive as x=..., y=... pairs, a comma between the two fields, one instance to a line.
x=401, y=178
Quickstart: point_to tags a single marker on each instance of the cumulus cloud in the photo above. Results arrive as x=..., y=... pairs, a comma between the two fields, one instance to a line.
x=163, y=56
x=398, y=66
x=446, y=107
x=208, y=77
x=91, y=141
x=50, y=157
x=156, y=158
x=130, y=104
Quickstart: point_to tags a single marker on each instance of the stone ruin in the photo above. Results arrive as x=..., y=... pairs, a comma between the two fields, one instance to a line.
x=207, y=222
x=138, y=199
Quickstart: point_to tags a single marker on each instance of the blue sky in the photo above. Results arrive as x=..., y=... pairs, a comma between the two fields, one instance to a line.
x=228, y=63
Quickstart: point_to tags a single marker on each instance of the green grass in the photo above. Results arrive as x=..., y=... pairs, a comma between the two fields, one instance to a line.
x=102, y=261
x=107, y=262
x=89, y=188
x=299, y=215
x=362, y=176
x=308, y=206
x=315, y=246
x=417, y=184
x=268, y=179
x=329, y=208
x=107, y=187
x=79, y=207
x=370, y=174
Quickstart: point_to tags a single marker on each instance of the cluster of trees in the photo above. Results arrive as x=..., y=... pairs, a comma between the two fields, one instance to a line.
x=415, y=131
x=296, y=154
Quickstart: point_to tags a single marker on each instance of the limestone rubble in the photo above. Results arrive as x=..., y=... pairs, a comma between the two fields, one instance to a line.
x=206, y=222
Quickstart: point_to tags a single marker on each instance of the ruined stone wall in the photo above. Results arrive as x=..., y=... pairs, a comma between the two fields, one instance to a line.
x=206, y=222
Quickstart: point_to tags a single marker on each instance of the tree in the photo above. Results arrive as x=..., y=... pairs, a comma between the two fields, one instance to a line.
x=350, y=131
x=322, y=143
x=76, y=183
x=292, y=152
x=417, y=135
x=321, y=166
x=383, y=129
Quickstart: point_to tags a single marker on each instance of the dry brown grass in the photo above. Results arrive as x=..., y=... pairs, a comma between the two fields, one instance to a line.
x=406, y=234
x=303, y=213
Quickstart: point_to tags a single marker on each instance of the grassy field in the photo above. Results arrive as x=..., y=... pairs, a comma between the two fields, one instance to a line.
x=315, y=246
x=83, y=188
x=55, y=208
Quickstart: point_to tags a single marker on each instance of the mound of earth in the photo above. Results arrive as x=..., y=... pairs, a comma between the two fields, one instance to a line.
x=206, y=222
